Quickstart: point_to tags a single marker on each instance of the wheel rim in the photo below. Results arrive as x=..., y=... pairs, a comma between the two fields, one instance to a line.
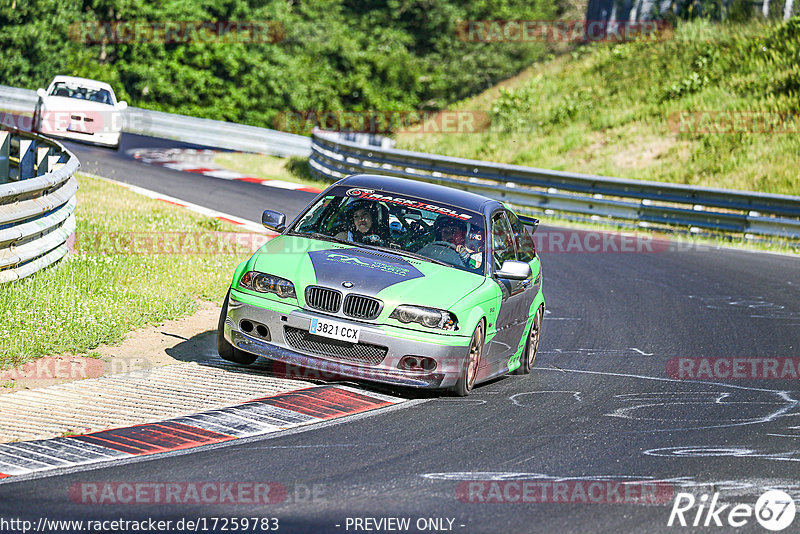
x=533, y=339
x=475, y=349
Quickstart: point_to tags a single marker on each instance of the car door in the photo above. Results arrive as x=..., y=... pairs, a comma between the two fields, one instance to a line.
x=516, y=295
x=526, y=251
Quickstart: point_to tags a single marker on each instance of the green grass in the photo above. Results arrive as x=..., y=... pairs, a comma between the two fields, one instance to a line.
x=293, y=169
x=605, y=109
x=96, y=297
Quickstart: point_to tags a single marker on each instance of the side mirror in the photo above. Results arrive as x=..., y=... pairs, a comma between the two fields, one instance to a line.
x=41, y=92
x=527, y=220
x=514, y=270
x=122, y=105
x=273, y=220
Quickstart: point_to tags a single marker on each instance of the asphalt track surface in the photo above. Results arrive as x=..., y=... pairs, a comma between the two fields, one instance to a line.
x=599, y=406
x=247, y=200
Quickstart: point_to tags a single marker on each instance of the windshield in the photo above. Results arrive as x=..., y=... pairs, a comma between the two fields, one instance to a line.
x=82, y=93
x=422, y=228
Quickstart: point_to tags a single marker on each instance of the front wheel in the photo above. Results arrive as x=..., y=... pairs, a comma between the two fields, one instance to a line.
x=469, y=371
x=531, y=346
x=226, y=350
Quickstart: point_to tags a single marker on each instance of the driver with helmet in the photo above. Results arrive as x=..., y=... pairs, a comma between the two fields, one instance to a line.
x=362, y=224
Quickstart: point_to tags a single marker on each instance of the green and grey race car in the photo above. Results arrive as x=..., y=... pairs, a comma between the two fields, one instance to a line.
x=393, y=281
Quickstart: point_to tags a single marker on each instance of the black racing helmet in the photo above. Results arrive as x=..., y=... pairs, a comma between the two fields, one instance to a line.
x=370, y=207
x=445, y=220
x=380, y=218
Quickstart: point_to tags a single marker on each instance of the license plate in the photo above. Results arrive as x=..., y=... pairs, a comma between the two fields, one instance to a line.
x=334, y=330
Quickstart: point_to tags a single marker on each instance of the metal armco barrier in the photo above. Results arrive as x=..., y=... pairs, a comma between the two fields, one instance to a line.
x=37, y=203
x=581, y=196
x=205, y=132
x=214, y=133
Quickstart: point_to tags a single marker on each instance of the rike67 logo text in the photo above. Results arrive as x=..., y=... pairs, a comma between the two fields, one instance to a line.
x=774, y=510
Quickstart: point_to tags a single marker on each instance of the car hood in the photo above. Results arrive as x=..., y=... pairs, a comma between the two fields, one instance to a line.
x=392, y=278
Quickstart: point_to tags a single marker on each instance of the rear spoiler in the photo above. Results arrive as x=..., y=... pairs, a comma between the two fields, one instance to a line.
x=528, y=220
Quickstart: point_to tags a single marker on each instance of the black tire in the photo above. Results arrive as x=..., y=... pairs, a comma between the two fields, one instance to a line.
x=469, y=371
x=531, y=345
x=226, y=350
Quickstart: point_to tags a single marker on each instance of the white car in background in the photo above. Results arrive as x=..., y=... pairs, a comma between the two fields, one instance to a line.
x=80, y=109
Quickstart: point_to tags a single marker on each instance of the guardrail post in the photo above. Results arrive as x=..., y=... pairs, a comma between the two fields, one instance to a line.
x=54, y=162
x=42, y=160
x=5, y=146
x=27, y=155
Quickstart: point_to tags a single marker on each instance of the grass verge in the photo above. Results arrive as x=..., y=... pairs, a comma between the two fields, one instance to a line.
x=115, y=284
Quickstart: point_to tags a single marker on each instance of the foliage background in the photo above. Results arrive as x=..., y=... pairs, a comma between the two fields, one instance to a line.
x=336, y=54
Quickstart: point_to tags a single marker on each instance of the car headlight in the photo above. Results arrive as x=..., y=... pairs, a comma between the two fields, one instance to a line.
x=430, y=317
x=266, y=283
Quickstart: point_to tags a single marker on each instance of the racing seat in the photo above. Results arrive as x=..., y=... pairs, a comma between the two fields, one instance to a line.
x=101, y=96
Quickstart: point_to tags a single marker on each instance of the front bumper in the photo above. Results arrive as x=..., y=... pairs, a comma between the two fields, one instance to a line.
x=449, y=354
x=109, y=139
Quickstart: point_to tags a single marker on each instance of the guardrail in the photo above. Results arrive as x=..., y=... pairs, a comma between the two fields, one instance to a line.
x=37, y=203
x=576, y=196
x=205, y=132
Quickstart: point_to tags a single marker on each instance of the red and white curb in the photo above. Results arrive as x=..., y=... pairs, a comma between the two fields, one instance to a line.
x=232, y=219
x=201, y=162
x=254, y=418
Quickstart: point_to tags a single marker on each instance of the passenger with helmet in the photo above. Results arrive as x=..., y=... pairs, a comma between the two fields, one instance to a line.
x=363, y=224
x=454, y=231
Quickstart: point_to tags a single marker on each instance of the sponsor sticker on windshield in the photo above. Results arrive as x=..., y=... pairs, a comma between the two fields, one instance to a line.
x=391, y=198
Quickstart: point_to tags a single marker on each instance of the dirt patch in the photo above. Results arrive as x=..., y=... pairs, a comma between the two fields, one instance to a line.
x=181, y=340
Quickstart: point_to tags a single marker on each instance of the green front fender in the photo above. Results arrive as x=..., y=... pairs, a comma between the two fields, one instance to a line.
x=516, y=360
